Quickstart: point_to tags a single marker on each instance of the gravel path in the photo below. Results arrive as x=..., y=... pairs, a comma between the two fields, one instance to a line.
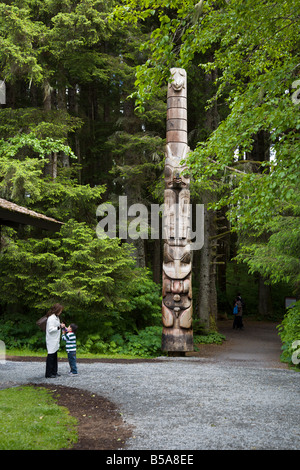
x=192, y=403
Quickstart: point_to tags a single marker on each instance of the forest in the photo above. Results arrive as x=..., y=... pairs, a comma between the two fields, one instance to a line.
x=83, y=121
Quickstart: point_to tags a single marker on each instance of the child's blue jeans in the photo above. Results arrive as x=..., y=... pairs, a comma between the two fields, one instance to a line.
x=72, y=361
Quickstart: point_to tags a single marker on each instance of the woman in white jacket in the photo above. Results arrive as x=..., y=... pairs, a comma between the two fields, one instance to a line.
x=53, y=339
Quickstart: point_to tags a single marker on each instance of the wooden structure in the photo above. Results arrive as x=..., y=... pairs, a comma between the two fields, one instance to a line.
x=177, y=335
x=12, y=215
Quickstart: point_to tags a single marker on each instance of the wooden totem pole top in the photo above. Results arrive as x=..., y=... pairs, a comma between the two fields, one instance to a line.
x=177, y=114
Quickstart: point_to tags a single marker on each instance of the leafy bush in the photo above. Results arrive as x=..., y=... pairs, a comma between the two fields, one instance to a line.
x=96, y=281
x=145, y=343
x=20, y=331
x=209, y=338
x=148, y=341
x=289, y=332
x=202, y=335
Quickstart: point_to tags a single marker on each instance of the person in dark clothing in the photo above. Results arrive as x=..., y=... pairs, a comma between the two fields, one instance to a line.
x=238, y=318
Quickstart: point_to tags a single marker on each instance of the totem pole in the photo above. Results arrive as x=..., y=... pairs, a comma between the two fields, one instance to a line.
x=177, y=306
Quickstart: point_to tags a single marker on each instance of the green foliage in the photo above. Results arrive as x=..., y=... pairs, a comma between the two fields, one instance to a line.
x=289, y=332
x=144, y=343
x=62, y=59
x=54, y=123
x=240, y=280
x=37, y=36
x=29, y=137
x=18, y=34
x=278, y=259
x=20, y=331
x=76, y=64
x=31, y=420
x=64, y=199
x=94, y=279
x=73, y=265
x=209, y=338
x=202, y=335
x=256, y=65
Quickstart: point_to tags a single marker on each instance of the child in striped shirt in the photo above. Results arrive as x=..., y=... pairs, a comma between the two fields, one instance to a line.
x=70, y=338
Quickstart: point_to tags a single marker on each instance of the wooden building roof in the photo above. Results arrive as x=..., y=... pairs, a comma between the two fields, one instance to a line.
x=11, y=214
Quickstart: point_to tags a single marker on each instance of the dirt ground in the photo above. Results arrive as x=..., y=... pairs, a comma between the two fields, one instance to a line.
x=257, y=344
x=100, y=425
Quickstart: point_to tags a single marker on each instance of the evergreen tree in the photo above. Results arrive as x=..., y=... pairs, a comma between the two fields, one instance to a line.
x=64, y=72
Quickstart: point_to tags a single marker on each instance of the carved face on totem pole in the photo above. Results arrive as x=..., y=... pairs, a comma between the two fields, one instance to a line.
x=176, y=216
x=178, y=81
x=177, y=289
x=176, y=175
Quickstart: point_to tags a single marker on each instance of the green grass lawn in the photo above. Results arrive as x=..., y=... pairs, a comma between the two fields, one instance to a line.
x=63, y=354
x=31, y=420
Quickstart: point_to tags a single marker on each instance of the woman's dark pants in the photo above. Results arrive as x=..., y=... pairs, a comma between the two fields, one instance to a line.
x=51, y=365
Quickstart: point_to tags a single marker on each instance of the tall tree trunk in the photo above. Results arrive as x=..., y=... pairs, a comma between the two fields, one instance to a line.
x=264, y=298
x=207, y=302
x=47, y=96
x=51, y=166
x=54, y=165
x=133, y=188
x=156, y=263
x=73, y=107
x=223, y=255
x=207, y=296
x=62, y=105
x=260, y=153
